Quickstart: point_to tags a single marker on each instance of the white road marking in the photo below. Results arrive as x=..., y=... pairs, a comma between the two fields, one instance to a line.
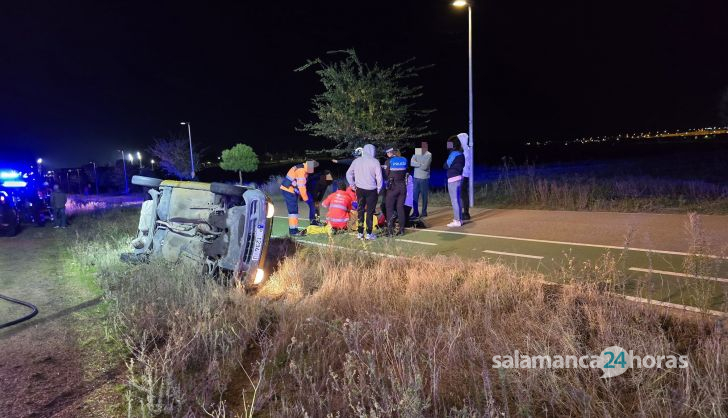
x=670, y=305
x=629, y=298
x=415, y=242
x=545, y=241
x=673, y=273
x=579, y=244
x=319, y=244
x=537, y=257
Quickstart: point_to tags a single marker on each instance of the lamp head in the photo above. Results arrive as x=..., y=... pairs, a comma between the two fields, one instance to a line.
x=460, y=3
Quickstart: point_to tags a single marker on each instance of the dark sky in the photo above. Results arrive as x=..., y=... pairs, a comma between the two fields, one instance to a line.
x=81, y=79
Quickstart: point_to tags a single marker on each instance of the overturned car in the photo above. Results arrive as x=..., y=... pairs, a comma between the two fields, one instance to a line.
x=224, y=229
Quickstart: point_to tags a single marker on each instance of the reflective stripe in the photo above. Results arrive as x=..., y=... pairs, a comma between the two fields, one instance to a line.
x=397, y=169
x=293, y=215
x=454, y=179
x=338, y=206
x=339, y=220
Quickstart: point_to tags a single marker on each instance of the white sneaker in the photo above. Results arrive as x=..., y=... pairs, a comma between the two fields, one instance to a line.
x=371, y=237
x=455, y=224
x=359, y=235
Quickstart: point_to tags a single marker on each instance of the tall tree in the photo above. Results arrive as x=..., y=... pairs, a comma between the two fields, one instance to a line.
x=174, y=156
x=240, y=158
x=366, y=104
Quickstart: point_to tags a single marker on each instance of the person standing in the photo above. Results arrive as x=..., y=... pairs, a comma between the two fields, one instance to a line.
x=58, y=204
x=319, y=191
x=396, y=174
x=292, y=186
x=421, y=163
x=467, y=175
x=365, y=177
x=454, y=165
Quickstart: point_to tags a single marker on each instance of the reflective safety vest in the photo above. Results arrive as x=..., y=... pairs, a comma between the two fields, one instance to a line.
x=339, y=205
x=295, y=181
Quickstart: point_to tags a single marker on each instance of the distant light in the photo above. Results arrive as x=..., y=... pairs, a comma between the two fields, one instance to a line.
x=12, y=174
x=139, y=155
x=131, y=157
x=39, y=161
x=183, y=123
x=152, y=161
x=14, y=183
x=460, y=3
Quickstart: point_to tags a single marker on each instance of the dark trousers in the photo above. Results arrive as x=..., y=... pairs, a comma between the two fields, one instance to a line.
x=395, y=203
x=465, y=196
x=421, y=187
x=61, y=217
x=367, y=203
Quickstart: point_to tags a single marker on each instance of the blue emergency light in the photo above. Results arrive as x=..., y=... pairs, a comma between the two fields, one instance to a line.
x=9, y=174
x=14, y=183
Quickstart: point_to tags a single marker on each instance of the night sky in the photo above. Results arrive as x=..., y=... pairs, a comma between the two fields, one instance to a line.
x=79, y=80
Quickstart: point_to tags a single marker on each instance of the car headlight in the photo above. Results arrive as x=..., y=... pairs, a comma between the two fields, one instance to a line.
x=270, y=210
x=259, y=276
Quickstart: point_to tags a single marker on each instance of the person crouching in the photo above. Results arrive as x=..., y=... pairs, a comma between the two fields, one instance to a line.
x=339, y=204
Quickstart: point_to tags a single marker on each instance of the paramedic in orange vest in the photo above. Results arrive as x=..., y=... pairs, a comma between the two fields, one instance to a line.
x=339, y=204
x=293, y=185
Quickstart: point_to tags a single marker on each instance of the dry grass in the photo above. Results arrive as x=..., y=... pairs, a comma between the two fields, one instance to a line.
x=340, y=334
x=416, y=337
x=578, y=192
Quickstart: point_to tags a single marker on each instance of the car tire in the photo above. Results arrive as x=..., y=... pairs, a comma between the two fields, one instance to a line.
x=227, y=189
x=146, y=181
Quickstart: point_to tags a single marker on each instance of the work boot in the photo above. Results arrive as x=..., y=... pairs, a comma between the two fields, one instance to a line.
x=315, y=222
x=292, y=231
x=400, y=232
x=466, y=216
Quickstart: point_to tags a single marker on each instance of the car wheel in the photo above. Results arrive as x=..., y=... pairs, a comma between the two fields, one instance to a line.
x=227, y=189
x=146, y=181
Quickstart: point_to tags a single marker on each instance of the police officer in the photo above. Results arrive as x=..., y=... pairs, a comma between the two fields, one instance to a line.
x=396, y=174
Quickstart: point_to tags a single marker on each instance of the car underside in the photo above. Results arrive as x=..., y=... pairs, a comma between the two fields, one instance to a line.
x=224, y=230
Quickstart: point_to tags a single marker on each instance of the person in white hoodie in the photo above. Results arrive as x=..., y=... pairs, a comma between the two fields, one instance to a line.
x=467, y=176
x=365, y=177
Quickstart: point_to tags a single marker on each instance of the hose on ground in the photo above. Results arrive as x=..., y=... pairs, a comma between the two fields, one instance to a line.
x=24, y=318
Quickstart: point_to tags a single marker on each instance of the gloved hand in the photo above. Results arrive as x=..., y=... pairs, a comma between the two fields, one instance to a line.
x=355, y=205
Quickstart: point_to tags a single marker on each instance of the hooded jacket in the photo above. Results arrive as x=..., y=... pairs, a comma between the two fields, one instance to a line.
x=468, y=169
x=365, y=172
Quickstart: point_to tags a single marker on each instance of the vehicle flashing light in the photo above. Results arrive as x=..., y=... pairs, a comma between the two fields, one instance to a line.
x=14, y=183
x=9, y=174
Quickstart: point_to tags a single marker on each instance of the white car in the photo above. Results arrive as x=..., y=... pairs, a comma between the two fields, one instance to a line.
x=224, y=229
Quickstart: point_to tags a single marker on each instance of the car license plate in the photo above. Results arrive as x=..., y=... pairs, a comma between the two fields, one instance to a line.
x=258, y=246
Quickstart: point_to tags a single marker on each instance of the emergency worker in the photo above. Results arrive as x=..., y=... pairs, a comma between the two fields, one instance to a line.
x=396, y=175
x=339, y=204
x=293, y=186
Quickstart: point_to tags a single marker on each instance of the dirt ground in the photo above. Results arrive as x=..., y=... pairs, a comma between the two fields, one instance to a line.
x=56, y=364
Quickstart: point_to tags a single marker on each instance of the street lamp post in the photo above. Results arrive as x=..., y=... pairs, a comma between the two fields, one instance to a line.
x=126, y=181
x=152, y=161
x=40, y=166
x=192, y=160
x=96, y=178
x=139, y=156
x=471, y=182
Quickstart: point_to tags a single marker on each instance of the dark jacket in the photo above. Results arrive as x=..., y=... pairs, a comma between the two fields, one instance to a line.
x=58, y=199
x=456, y=167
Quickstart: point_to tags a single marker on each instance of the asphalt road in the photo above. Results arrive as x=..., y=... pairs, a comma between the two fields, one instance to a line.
x=652, y=252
